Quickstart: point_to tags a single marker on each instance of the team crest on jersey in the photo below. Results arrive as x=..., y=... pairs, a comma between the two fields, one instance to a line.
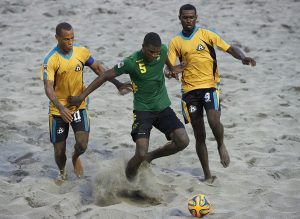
x=200, y=47
x=78, y=68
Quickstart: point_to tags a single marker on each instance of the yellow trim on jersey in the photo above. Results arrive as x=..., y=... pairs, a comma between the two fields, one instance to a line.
x=198, y=52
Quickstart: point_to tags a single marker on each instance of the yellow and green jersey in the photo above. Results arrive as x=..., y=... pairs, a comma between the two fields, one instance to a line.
x=198, y=52
x=67, y=74
x=150, y=93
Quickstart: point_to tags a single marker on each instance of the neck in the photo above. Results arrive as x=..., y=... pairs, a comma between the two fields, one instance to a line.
x=66, y=53
x=187, y=32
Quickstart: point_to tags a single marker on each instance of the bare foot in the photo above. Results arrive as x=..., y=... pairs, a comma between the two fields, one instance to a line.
x=78, y=170
x=209, y=181
x=62, y=176
x=224, y=156
x=59, y=182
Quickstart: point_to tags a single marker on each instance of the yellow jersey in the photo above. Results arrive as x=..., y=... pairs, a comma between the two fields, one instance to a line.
x=67, y=74
x=198, y=52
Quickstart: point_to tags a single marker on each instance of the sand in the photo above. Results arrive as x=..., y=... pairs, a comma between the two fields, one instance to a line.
x=260, y=113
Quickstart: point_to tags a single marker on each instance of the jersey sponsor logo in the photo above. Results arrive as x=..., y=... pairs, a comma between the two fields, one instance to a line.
x=120, y=64
x=192, y=109
x=78, y=68
x=200, y=47
x=60, y=131
x=207, y=97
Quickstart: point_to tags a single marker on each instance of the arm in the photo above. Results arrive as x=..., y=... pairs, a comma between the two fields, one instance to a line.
x=106, y=76
x=64, y=112
x=238, y=54
x=173, y=71
x=123, y=88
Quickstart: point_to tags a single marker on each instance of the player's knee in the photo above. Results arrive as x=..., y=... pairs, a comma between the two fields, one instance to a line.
x=182, y=141
x=80, y=147
x=59, y=152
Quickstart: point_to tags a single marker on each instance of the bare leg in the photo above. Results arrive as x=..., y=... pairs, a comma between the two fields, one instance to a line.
x=60, y=159
x=79, y=148
x=218, y=131
x=60, y=154
x=180, y=141
x=201, y=149
x=134, y=163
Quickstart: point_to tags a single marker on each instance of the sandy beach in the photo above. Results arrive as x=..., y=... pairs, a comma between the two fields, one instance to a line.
x=260, y=114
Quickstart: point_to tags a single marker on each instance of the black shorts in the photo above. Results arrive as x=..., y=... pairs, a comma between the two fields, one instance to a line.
x=195, y=100
x=165, y=121
x=59, y=129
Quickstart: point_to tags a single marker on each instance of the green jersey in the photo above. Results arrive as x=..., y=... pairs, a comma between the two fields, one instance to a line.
x=148, y=81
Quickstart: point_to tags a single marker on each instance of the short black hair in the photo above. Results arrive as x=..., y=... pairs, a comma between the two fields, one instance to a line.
x=187, y=7
x=62, y=26
x=152, y=39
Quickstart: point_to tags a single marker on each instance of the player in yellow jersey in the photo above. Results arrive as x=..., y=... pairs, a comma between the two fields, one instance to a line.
x=200, y=81
x=62, y=73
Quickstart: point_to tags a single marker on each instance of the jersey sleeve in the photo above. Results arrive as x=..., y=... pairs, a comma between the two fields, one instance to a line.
x=87, y=57
x=123, y=67
x=218, y=41
x=172, y=54
x=48, y=69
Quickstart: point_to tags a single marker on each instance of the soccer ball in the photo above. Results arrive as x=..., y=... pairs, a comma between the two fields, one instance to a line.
x=198, y=205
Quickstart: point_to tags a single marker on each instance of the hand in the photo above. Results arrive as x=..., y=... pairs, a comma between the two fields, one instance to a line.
x=75, y=100
x=125, y=88
x=249, y=61
x=173, y=73
x=66, y=114
x=169, y=74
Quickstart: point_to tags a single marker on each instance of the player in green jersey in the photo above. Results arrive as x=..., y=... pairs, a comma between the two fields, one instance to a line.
x=151, y=101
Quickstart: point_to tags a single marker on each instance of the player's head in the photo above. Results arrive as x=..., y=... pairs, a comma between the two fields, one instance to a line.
x=65, y=37
x=151, y=46
x=188, y=16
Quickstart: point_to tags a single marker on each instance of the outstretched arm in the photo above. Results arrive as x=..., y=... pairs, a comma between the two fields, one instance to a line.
x=238, y=54
x=123, y=88
x=106, y=76
x=65, y=113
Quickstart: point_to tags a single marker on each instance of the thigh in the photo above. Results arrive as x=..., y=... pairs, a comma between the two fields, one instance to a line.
x=142, y=125
x=167, y=122
x=193, y=105
x=82, y=137
x=81, y=121
x=59, y=129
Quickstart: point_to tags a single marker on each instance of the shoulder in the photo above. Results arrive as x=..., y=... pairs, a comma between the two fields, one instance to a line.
x=80, y=48
x=210, y=32
x=176, y=37
x=50, y=55
x=164, y=47
x=132, y=58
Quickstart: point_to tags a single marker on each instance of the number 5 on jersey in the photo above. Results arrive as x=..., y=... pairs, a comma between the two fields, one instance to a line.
x=142, y=68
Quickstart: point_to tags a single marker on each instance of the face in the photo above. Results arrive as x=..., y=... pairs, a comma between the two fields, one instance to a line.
x=65, y=40
x=188, y=19
x=151, y=52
